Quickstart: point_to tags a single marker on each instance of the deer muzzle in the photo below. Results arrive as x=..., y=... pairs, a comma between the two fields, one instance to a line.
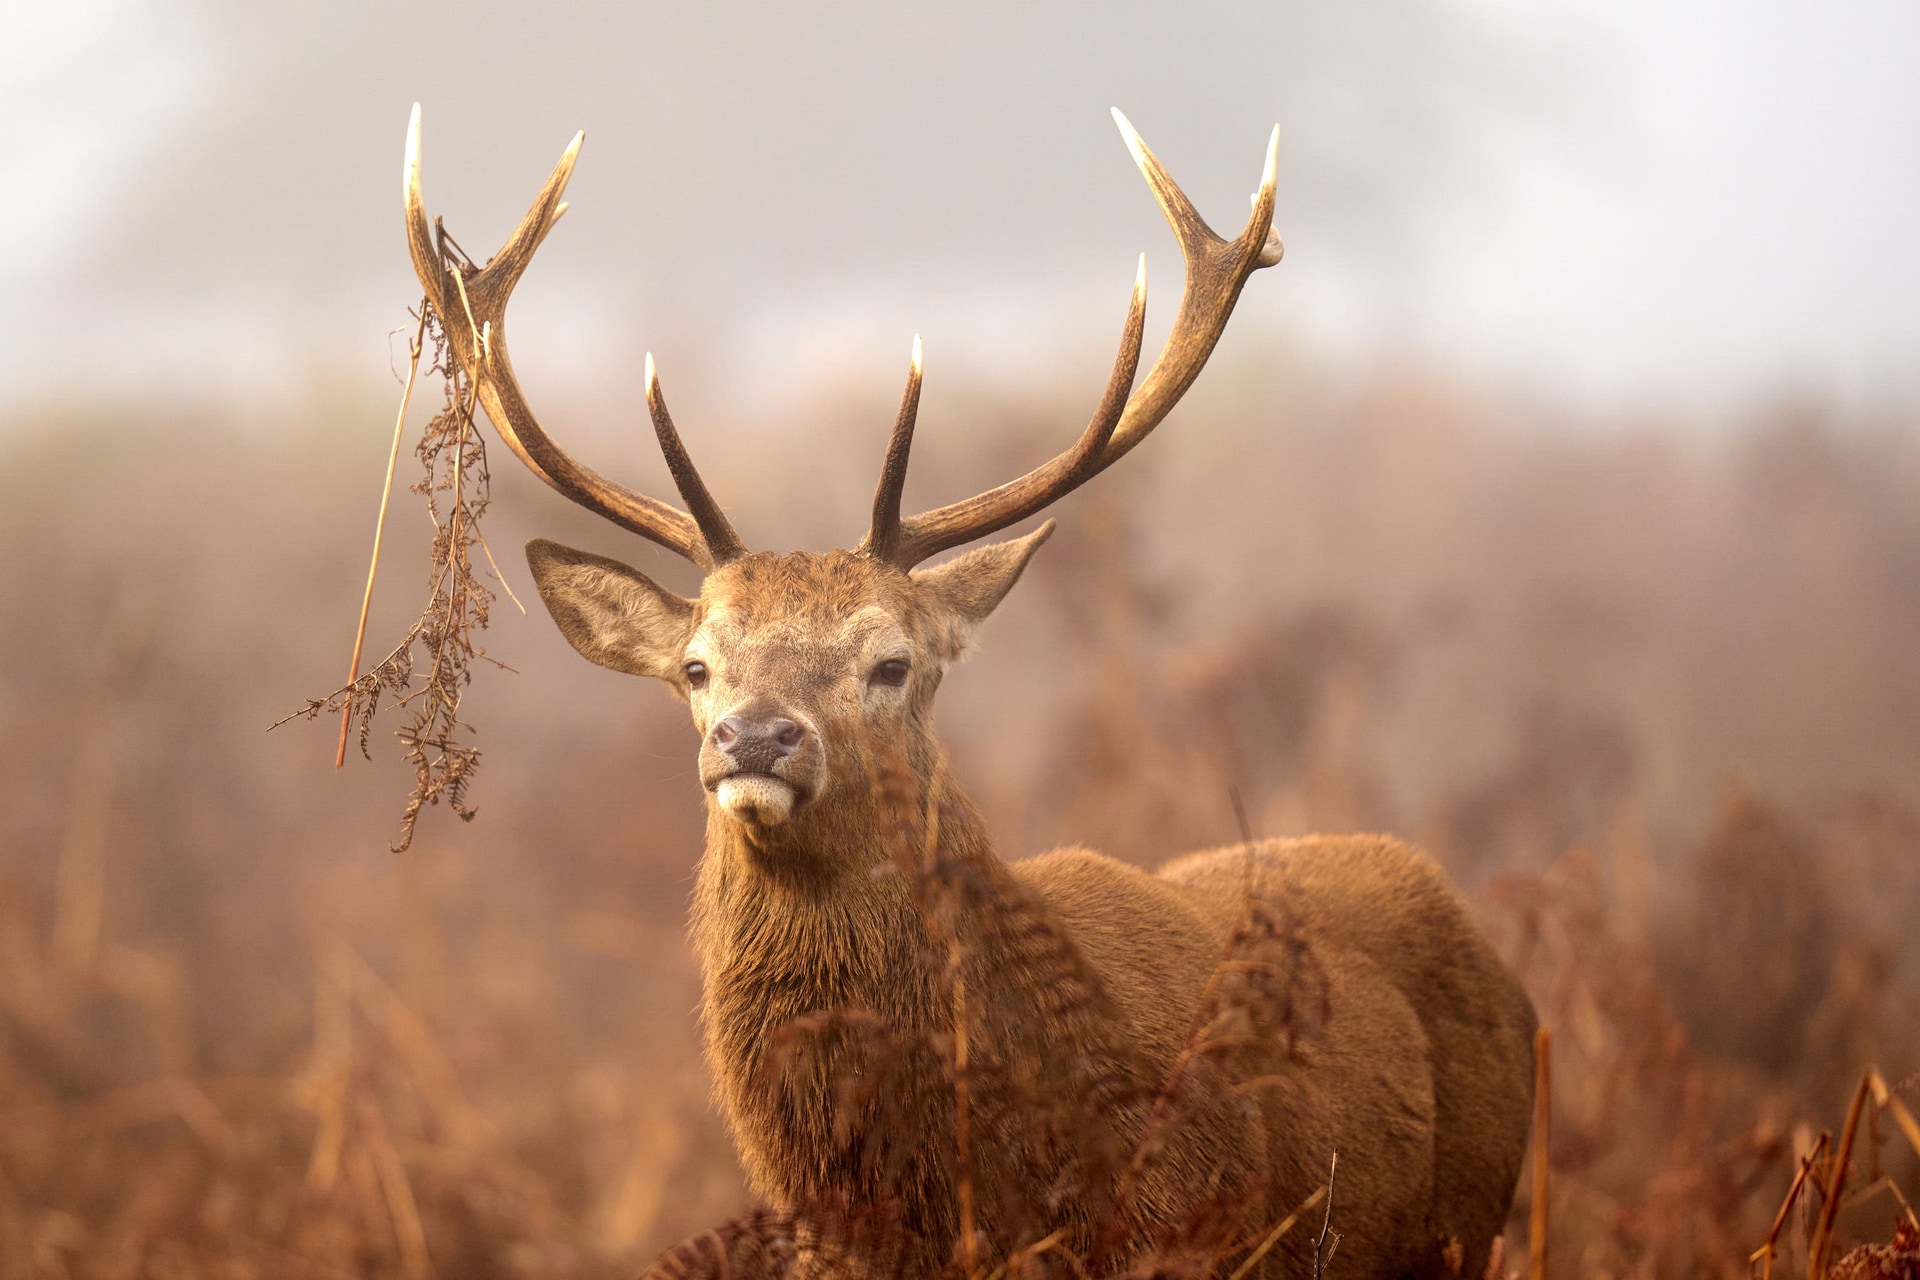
x=759, y=764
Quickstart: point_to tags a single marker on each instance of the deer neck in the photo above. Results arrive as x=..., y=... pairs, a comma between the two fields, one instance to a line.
x=815, y=916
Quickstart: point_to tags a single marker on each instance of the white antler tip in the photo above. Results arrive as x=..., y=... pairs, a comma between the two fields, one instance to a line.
x=1132, y=136
x=1140, y=275
x=916, y=355
x=567, y=158
x=1272, y=172
x=410, y=175
x=653, y=378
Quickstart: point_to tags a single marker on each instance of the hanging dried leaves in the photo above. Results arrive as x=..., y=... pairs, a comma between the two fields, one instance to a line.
x=439, y=647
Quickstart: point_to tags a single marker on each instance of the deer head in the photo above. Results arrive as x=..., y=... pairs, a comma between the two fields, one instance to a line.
x=789, y=662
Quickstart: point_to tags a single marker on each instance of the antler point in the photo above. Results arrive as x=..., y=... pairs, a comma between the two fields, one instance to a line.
x=1135, y=143
x=410, y=176
x=569, y=156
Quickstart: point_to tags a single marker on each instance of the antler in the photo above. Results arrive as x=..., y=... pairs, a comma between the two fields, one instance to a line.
x=472, y=303
x=1215, y=271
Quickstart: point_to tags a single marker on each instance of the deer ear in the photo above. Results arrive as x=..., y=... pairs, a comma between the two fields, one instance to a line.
x=615, y=616
x=967, y=588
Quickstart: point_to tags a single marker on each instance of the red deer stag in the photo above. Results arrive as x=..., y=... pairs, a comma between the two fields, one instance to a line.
x=1087, y=976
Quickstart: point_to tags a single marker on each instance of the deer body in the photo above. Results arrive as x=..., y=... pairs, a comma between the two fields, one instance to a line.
x=1428, y=1115
x=908, y=1034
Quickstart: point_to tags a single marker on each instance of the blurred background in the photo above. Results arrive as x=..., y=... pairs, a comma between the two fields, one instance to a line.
x=1553, y=503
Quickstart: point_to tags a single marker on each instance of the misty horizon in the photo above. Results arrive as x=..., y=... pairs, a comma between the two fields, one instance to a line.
x=1693, y=206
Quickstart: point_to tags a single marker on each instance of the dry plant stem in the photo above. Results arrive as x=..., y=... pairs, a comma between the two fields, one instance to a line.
x=482, y=352
x=1052, y=1244
x=1321, y=1254
x=499, y=577
x=1285, y=1225
x=460, y=445
x=1239, y=804
x=1765, y=1253
x=332, y=1071
x=1823, y=1232
x=453, y=516
x=1033, y=1250
x=380, y=529
x=1542, y=1165
x=398, y=1192
x=1906, y=1205
x=936, y=795
x=1884, y=1098
x=1892, y=1188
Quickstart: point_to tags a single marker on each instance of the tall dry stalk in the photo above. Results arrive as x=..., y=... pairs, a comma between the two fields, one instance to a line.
x=1764, y=1255
x=380, y=528
x=1837, y=1186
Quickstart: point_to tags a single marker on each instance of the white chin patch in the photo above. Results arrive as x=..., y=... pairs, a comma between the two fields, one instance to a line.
x=757, y=798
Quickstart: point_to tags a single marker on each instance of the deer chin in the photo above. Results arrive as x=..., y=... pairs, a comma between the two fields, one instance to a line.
x=758, y=799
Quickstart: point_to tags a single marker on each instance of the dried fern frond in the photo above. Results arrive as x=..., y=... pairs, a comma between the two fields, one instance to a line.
x=440, y=644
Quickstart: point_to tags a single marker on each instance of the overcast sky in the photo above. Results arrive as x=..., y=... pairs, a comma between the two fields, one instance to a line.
x=1622, y=202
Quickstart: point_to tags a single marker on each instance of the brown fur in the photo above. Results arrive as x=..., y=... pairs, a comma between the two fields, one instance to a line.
x=1085, y=974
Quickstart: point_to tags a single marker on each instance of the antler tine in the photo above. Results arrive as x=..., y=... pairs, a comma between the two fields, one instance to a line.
x=883, y=538
x=487, y=289
x=935, y=531
x=472, y=303
x=722, y=542
x=1188, y=226
x=1215, y=271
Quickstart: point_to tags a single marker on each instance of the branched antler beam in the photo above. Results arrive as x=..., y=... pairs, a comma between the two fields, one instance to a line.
x=1216, y=269
x=472, y=304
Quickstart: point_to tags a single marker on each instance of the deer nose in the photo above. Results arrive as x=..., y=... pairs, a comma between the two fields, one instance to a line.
x=754, y=745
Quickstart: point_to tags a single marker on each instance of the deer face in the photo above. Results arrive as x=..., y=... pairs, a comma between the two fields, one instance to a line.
x=791, y=664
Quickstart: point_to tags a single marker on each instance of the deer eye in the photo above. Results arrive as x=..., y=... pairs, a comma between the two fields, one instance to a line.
x=892, y=672
x=696, y=675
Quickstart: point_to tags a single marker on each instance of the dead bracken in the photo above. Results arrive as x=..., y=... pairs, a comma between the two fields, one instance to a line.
x=439, y=648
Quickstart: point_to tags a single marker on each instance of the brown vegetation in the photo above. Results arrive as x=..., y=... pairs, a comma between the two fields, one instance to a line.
x=238, y=1037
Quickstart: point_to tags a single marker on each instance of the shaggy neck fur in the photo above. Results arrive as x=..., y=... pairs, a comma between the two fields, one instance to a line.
x=799, y=927
x=814, y=918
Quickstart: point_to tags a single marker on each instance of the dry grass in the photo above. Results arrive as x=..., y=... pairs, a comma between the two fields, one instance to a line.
x=238, y=1038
